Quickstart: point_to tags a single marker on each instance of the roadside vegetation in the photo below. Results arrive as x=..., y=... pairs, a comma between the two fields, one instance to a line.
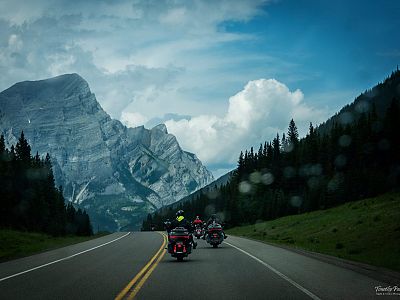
x=366, y=231
x=15, y=244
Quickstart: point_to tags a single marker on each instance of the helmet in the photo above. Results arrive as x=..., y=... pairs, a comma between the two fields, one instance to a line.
x=197, y=218
x=213, y=217
x=179, y=213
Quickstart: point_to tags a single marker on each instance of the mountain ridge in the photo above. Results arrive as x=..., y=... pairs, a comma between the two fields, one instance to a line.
x=116, y=173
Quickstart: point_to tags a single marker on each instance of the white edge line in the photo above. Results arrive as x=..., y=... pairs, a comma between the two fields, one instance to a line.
x=61, y=259
x=304, y=290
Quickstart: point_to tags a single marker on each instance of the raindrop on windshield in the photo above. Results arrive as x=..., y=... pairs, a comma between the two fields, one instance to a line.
x=255, y=177
x=345, y=140
x=244, y=187
x=267, y=178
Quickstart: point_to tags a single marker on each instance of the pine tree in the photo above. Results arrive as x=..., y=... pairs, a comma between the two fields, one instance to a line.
x=293, y=134
x=240, y=166
x=2, y=146
x=276, y=145
x=22, y=149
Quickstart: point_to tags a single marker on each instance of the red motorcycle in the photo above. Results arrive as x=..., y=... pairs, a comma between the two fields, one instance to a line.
x=179, y=244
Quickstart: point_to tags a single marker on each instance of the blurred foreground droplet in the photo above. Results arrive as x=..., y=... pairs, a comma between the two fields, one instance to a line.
x=296, y=201
x=362, y=107
x=345, y=140
x=267, y=178
x=255, y=177
x=289, y=172
x=346, y=118
x=340, y=161
x=244, y=187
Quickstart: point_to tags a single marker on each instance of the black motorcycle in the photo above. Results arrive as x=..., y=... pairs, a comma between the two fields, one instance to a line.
x=214, y=235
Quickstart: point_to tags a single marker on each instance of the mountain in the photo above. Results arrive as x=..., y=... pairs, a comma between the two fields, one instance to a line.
x=117, y=174
x=377, y=98
x=211, y=190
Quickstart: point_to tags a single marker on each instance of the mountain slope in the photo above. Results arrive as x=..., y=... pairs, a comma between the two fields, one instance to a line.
x=116, y=173
x=379, y=98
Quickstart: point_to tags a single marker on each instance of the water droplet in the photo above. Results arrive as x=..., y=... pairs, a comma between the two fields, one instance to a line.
x=213, y=193
x=209, y=210
x=316, y=170
x=346, y=118
x=345, y=140
x=288, y=147
x=244, y=187
x=340, y=161
x=296, y=201
x=255, y=177
x=362, y=107
x=267, y=178
x=289, y=172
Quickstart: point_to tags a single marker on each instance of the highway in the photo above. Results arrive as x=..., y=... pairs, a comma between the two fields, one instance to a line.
x=136, y=266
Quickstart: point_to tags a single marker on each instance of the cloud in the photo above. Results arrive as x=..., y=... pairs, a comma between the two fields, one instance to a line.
x=151, y=61
x=122, y=49
x=263, y=108
x=132, y=119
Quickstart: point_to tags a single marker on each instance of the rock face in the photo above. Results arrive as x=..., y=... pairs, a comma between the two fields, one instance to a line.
x=117, y=174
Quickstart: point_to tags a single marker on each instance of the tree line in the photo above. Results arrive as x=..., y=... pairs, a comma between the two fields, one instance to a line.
x=29, y=199
x=358, y=156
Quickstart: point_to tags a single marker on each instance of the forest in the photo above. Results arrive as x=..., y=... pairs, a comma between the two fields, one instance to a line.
x=29, y=200
x=354, y=155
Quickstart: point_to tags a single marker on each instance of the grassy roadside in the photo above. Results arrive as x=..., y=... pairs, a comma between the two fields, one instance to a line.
x=367, y=231
x=15, y=244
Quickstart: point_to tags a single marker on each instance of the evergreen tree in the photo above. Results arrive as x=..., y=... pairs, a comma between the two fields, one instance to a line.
x=2, y=146
x=28, y=197
x=293, y=134
x=22, y=149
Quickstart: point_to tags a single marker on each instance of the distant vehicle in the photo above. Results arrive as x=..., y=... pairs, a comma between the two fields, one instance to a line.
x=179, y=244
x=198, y=231
x=214, y=234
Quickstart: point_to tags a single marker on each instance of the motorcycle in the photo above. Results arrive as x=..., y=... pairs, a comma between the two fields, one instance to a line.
x=179, y=244
x=214, y=234
x=198, y=231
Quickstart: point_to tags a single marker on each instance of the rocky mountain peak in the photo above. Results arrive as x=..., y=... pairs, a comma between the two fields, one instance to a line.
x=161, y=127
x=117, y=174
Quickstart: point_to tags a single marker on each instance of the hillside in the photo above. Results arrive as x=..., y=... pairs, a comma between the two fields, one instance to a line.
x=352, y=156
x=366, y=231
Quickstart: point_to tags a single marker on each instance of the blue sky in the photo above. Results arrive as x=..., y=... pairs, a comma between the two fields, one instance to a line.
x=222, y=75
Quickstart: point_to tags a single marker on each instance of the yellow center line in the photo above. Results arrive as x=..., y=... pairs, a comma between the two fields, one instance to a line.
x=122, y=294
x=145, y=277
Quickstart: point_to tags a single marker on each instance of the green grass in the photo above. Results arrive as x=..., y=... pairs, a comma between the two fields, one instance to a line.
x=367, y=231
x=15, y=244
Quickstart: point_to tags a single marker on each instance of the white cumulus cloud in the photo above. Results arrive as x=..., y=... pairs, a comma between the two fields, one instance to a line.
x=263, y=108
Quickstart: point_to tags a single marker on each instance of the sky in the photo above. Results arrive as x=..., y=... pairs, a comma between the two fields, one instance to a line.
x=222, y=75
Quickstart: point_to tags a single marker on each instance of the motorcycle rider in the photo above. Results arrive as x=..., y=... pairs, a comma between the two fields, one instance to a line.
x=167, y=225
x=211, y=220
x=180, y=221
x=197, y=221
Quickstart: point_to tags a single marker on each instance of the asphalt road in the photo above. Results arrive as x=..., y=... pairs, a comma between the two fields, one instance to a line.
x=238, y=269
